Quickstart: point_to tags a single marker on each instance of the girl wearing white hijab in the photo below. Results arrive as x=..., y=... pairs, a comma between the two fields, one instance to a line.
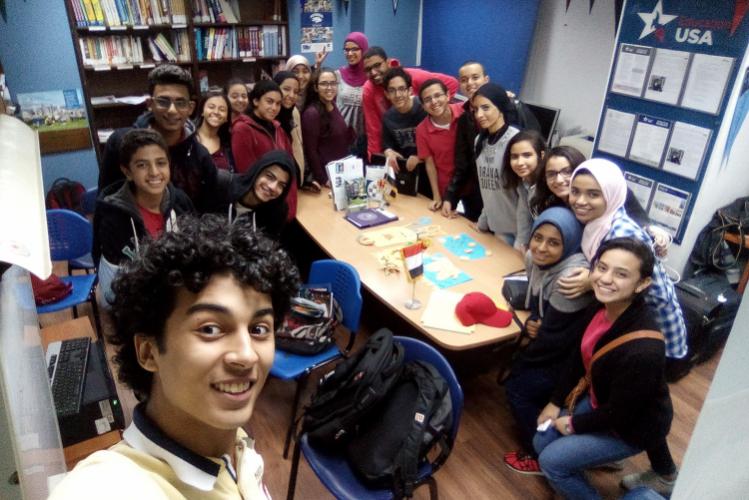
x=597, y=194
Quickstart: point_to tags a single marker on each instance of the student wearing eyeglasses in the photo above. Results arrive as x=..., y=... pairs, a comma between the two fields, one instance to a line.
x=169, y=108
x=326, y=136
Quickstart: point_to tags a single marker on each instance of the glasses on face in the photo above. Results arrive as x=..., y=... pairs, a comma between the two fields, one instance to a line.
x=166, y=103
x=565, y=172
x=374, y=67
x=327, y=85
x=351, y=50
x=397, y=90
x=433, y=98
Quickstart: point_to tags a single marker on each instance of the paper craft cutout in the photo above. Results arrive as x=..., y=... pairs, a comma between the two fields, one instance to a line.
x=461, y=245
x=388, y=236
x=440, y=312
x=442, y=272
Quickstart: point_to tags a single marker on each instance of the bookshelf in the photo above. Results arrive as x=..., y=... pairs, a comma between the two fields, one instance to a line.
x=117, y=42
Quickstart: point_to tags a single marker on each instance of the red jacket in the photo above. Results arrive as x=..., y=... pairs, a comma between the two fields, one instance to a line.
x=375, y=103
x=250, y=141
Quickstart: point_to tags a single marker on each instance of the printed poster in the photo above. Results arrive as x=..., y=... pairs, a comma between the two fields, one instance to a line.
x=317, y=26
x=686, y=149
x=53, y=110
x=667, y=76
x=631, y=69
x=649, y=141
x=668, y=208
x=641, y=187
x=706, y=84
x=616, y=131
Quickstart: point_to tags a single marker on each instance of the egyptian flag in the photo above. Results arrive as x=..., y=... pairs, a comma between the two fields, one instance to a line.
x=413, y=258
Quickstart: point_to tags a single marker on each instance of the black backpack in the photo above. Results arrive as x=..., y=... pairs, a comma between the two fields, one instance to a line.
x=394, y=438
x=65, y=193
x=351, y=390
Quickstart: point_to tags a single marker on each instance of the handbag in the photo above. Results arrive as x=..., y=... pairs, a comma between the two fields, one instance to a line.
x=515, y=289
x=309, y=326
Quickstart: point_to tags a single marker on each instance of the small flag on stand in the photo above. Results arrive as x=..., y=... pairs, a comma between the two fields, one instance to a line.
x=413, y=259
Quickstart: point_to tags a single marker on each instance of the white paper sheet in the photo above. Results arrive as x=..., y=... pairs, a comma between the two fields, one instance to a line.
x=23, y=238
x=668, y=207
x=686, y=149
x=641, y=187
x=631, y=69
x=616, y=131
x=667, y=76
x=649, y=141
x=706, y=82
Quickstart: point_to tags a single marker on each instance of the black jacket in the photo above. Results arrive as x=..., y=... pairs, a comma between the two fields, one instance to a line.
x=628, y=381
x=465, y=158
x=268, y=217
x=191, y=164
x=117, y=215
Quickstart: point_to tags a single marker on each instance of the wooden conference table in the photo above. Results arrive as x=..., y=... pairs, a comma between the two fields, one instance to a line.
x=339, y=238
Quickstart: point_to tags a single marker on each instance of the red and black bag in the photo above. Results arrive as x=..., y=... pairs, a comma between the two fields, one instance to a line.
x=65, y=193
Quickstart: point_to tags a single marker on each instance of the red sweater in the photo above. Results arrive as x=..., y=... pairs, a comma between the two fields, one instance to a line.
x=250, y=141
x=439, y=143
x=375, y=103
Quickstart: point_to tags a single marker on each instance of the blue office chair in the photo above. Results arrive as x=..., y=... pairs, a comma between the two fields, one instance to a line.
x=88, y=204
x=334, y=471
x=70, y=237
x=346, y=287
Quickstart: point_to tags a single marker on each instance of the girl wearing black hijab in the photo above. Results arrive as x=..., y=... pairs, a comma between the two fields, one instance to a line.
x=494, y=112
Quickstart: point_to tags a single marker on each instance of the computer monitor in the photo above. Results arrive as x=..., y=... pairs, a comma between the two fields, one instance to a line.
x=547, y=118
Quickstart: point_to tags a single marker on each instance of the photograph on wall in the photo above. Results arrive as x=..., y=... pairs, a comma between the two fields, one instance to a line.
x=667, y=76
x=686, y=149
x=649, y=140
x=317, y=26
x=53, y=110
x=641, y=187
x=668, y=208
x=616, y=131
x=631, y=69
x=706, y=83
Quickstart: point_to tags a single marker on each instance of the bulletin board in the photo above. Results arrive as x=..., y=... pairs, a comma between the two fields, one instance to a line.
x=675, y=65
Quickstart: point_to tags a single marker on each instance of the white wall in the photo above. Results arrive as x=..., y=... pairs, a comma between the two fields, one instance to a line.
x=569, y=61
x=715, y=465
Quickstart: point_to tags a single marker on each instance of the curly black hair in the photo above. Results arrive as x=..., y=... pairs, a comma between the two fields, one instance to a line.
x=146, y=289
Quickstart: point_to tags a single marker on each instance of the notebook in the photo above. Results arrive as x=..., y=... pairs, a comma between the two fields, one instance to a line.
x=369, y=217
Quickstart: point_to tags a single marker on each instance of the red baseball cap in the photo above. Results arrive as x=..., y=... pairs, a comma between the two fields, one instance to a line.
x=477, y=307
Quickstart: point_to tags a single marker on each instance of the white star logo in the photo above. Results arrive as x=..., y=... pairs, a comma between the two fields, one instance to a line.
x=654, y=20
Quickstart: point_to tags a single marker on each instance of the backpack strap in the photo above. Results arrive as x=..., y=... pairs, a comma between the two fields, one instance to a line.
x=584, y=382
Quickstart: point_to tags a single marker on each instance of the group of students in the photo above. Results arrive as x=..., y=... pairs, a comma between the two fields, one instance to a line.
x=603, y=309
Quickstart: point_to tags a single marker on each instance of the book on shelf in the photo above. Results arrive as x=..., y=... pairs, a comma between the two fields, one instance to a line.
x=111, y=50
x=114, y=13
x=216, y=11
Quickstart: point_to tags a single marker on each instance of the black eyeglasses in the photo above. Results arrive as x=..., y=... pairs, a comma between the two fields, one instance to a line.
x=565, y=172
x=166, y=103
x=348, y=51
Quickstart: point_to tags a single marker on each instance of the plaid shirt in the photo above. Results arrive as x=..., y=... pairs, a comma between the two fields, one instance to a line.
x=661, y=294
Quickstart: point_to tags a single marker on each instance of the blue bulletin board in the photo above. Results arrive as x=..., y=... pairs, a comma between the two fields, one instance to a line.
x=675, y=66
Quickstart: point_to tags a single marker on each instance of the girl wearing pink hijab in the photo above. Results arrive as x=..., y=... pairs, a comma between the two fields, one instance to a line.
x=351, y=78
x=597, y=194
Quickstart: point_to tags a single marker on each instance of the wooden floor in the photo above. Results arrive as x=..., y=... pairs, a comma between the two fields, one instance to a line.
x=475, y=469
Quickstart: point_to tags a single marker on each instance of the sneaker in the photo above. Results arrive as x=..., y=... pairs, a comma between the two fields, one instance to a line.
x=651, y=479
x=522, y=463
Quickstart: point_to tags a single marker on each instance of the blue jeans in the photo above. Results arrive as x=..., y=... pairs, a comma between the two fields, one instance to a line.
x=564, y=459
x=528, y=389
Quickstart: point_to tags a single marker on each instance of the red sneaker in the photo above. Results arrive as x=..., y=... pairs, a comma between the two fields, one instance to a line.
x=522, y=463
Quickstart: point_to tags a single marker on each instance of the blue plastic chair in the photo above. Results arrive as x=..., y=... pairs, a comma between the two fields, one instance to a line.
x=346, y=287
x=334, y=471
x=70, y=237
x=86, y=263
